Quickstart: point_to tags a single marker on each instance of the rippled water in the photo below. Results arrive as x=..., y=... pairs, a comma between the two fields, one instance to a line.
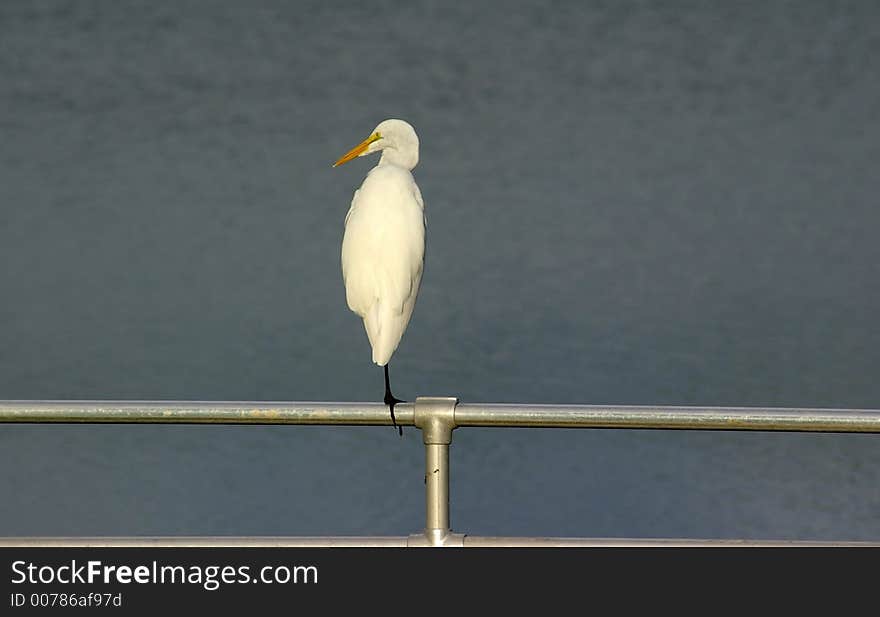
x=627, y=203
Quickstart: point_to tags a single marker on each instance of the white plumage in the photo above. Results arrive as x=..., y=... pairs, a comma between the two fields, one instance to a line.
x=383, y=248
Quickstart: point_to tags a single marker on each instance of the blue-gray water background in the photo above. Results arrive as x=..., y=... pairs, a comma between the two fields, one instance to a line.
x=627, y=202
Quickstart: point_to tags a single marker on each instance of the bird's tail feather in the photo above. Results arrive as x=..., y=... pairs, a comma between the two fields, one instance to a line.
x=384, y=328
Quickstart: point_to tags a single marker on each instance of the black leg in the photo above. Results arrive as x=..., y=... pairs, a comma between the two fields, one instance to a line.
x=391, y=402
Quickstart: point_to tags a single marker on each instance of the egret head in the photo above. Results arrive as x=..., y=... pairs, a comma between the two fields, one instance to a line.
x=395, y=138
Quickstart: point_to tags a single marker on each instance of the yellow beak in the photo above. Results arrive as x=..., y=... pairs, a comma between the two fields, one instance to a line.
x=357, y=150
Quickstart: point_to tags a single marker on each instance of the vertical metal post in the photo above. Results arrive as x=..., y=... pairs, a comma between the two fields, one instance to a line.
x=437, y=488
x=435, y=416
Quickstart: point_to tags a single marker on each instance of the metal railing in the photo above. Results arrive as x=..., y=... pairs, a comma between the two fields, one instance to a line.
x=436, y=417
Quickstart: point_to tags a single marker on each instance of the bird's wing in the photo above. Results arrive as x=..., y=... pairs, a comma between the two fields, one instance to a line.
x=418, y=196
x=351, y=207
x=383, y=250
x=400, y=257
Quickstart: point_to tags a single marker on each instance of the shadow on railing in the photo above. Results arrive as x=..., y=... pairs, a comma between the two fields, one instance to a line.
x=436, y=417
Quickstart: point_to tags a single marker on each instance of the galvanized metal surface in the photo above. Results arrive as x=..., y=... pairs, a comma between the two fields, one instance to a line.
x=695, y=418
x=200, y=412
x=207, y=541
x=435, y=416
x=478, y=541
x=465, y=414
x=417, y=540
x=437, y=488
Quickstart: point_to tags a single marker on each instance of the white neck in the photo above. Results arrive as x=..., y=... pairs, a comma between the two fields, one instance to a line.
x=407, y=158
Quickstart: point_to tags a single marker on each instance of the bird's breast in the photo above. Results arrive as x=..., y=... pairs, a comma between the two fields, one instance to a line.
x=386, y=206
x=383, y=246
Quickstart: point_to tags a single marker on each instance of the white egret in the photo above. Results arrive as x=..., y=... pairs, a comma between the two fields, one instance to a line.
x=383, y=248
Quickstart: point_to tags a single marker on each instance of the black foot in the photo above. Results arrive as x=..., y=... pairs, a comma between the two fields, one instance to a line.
x=391, y=402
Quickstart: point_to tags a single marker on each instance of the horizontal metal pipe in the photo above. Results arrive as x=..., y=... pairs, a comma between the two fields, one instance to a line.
x=394, y=541
x=198, y=412
x=487, y=415
x=701, y=418
x=207, y=541
x=488, y=541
